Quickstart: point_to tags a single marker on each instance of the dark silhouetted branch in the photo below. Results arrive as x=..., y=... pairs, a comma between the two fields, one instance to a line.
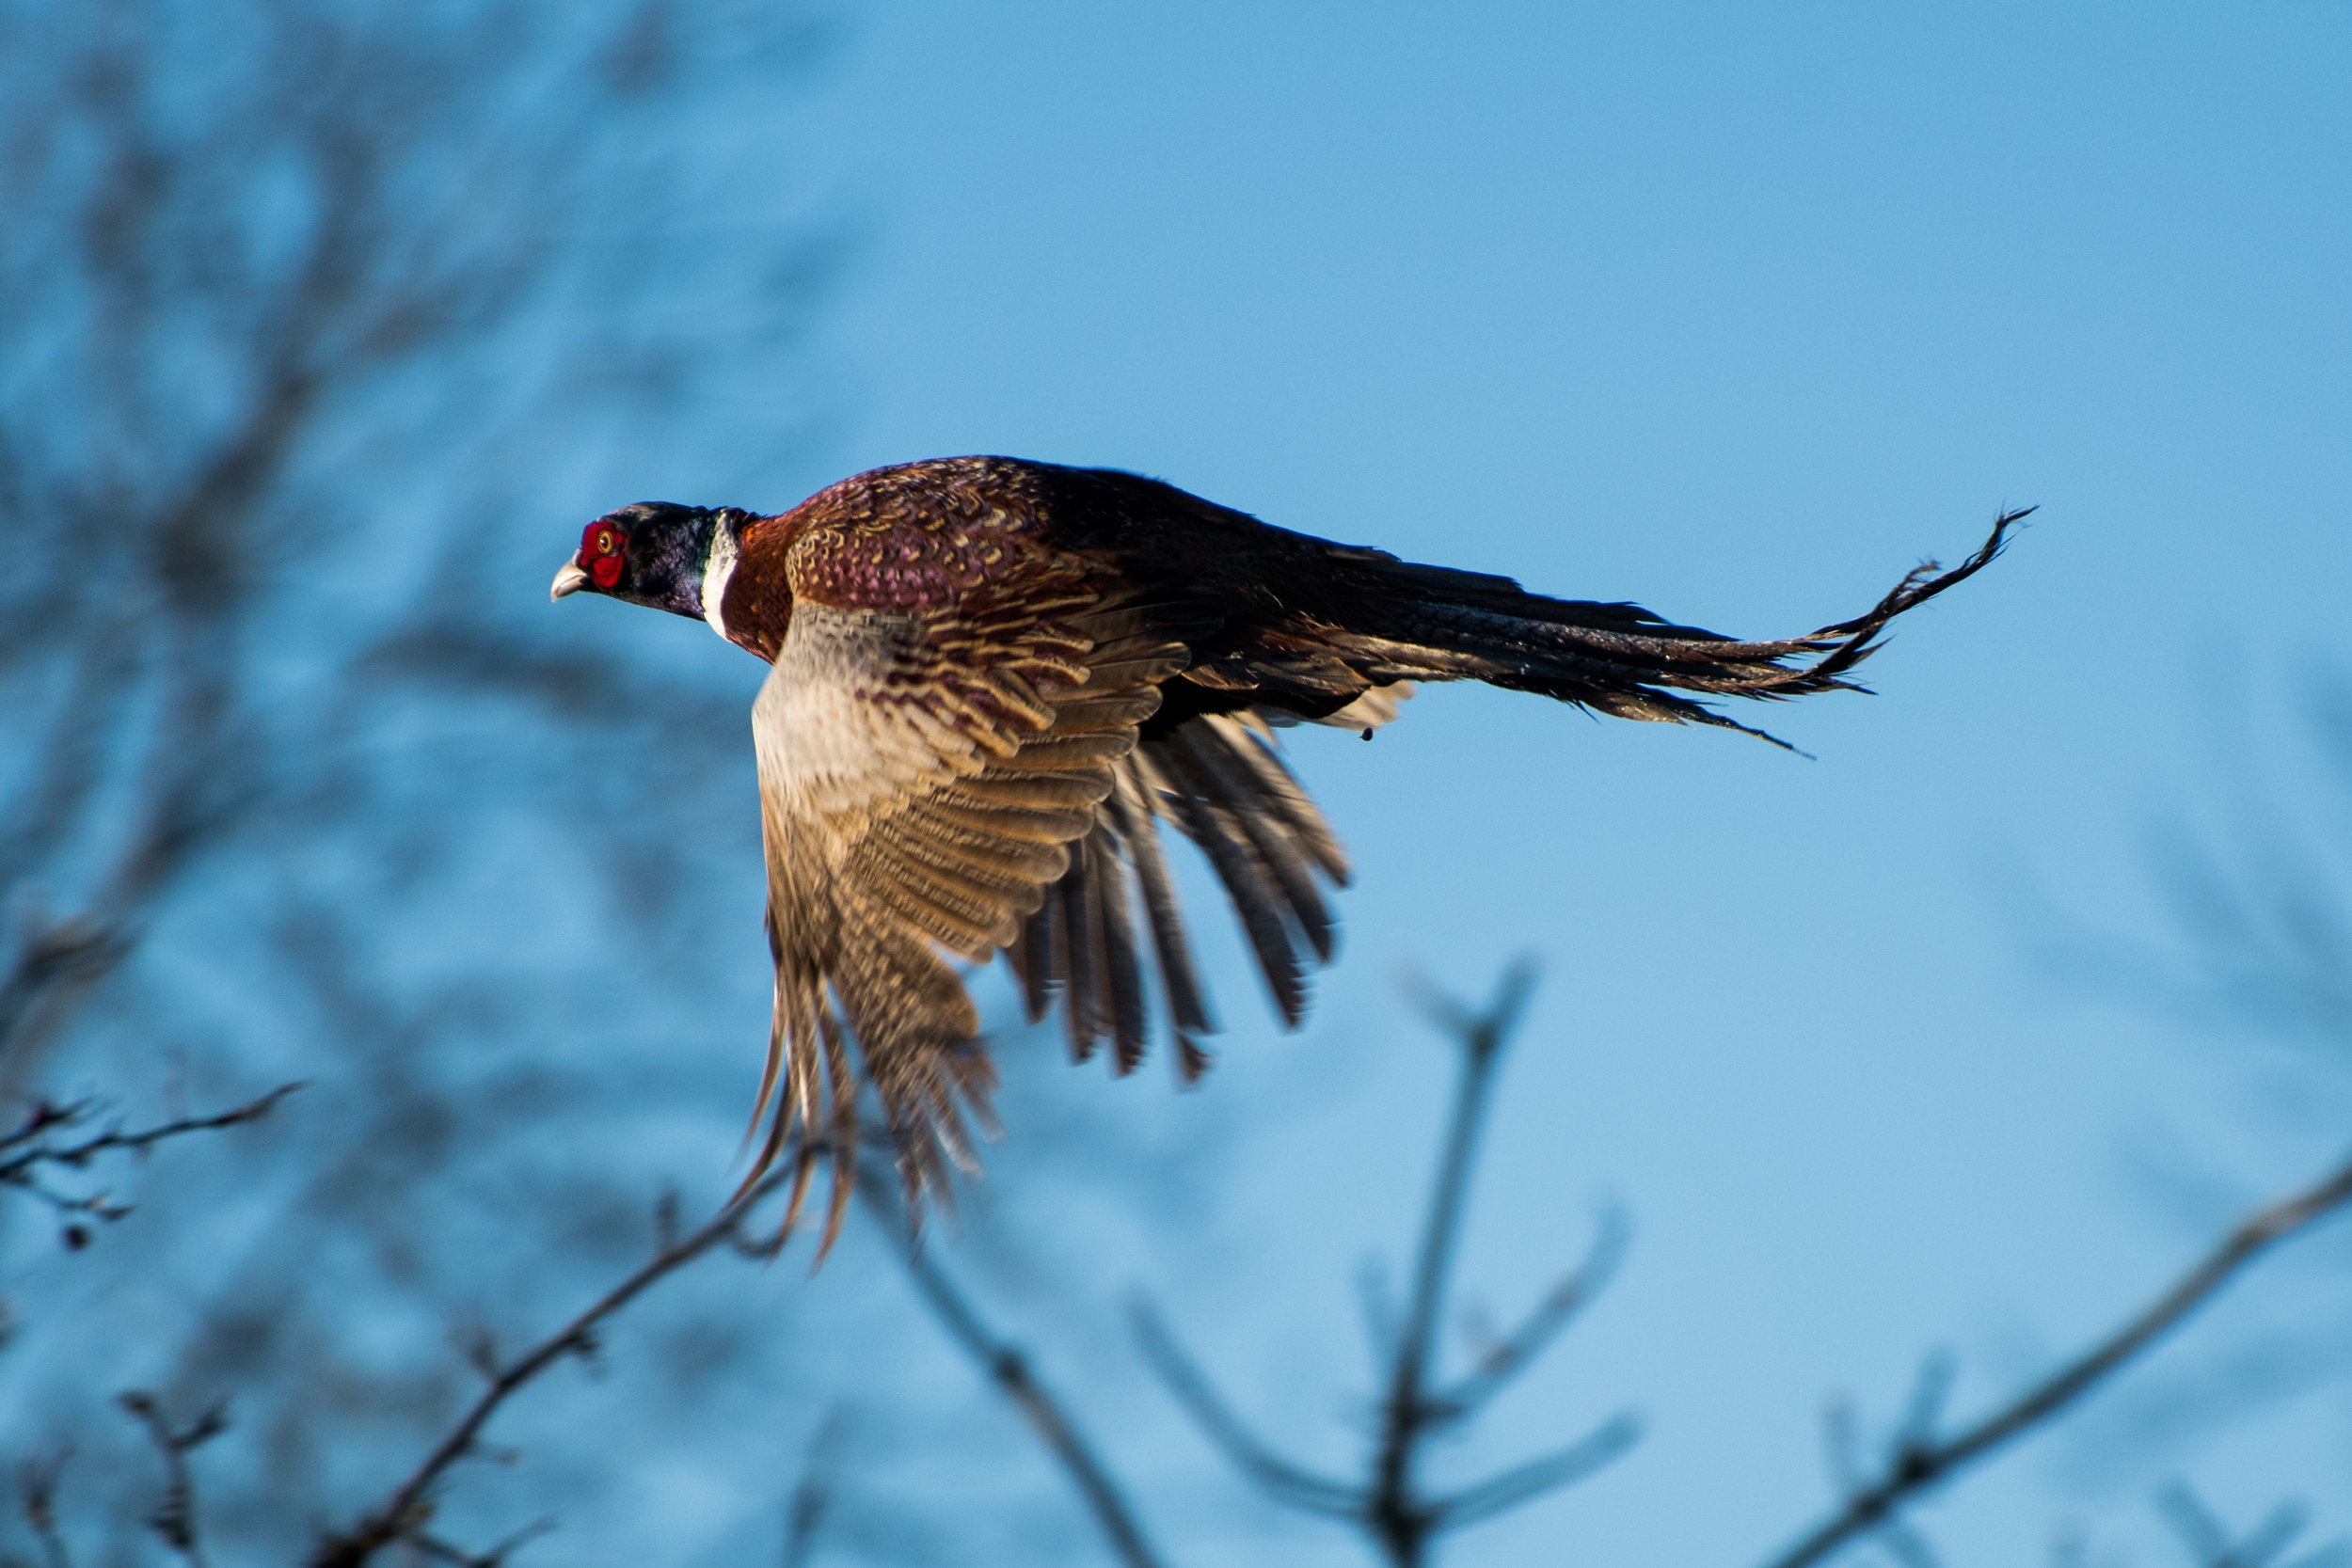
x=1920, y=1463
x=1008, y=1367
x=402, y=1515
x=1285, y=1482
x=38, y=1481
x=238, y=234
x=32, y=1147
x=174, y=1519
x=1482, y=1037
x=55, y=955
x=2209, y=1543
x=1515, y=1351
x=1403, y=1519
x=438, y=1550
x=1389, y=1505
x=1532, y=1479
x=813, y=1496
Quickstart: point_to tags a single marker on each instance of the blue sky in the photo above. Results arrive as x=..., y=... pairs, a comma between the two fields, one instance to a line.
x=1737, y=311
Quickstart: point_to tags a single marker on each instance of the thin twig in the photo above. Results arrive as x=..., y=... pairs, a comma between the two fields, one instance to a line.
x=402, y=1515
x=174, y=1519
x=812, y=1497
x=1907, y=1546
x=1515, y=1351
x=442, y=1551
x=1390, y=1505
x=1401, y=1519
x=1922, y=1464
x=1286, y=1483
x=1524, y=1483
x=2208, y=1541
x=67, y=951
x=40, y=1482
x=26, y=1151
x=44, y=1117
x=1008, y=1367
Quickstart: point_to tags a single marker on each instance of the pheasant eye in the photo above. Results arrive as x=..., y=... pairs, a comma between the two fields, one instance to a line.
x=601, y=545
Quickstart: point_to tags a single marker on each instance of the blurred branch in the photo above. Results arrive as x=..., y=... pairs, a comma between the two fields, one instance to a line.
x=1515, y=1351
x=1008, y=1367
x=1409, y=1409
x=1528, y=1482
x=27, y=1150
x=813, y=1496
x=174, y=1519
x=38, y=1488
x=314, y=313
x=438, y=1550
x=402, y=1517
x=1291, y=1485
x=2209, y=1544
x=54, y=955
x=1920, y=1462
x=2261, y=929
x=1389, y=1505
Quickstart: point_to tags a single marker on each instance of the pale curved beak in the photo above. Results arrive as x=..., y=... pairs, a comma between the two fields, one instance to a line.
x=571, y=579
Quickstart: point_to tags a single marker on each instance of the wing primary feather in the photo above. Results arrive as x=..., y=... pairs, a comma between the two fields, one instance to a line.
x=1235, y=860
x=1122, y=975
x=1035, y=964
x=770, y=1072
x=1139, y=825
x=1253, y=744
x=841, y=1132
x=1191, y=1061
x=788, y=1023
x=1226, y=779
x=1073, y=949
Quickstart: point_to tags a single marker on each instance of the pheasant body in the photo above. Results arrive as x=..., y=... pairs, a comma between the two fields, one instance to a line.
x=994, y=681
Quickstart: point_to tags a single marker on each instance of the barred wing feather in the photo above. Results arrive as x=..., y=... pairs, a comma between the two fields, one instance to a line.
x=923, y=779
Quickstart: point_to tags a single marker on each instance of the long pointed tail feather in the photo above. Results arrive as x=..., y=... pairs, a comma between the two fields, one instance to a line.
x=1618, y=658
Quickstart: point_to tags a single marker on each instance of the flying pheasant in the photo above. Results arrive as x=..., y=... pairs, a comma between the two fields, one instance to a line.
x=994, y=680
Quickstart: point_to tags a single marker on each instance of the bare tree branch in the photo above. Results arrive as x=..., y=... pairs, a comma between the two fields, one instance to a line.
x=1404, y=1520
x=1515, y=1351
x=1008, y=1367
x=2210, y=1545
x=1390, y=1506
x=1907, y=1546
x=54, y=955
x=440, y=1550
x=812, y=1494
x=1920, y=1462
x=1281, y=1479
x=301, y=303
x=38, y=1481
x=174, y=1519
x=45, y=1117
x=402, y=1515
x=1525, y=1482
x=28, y=1150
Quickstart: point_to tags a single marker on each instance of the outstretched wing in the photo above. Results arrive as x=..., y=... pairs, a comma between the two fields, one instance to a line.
x=923, y=772
x=1218, y=780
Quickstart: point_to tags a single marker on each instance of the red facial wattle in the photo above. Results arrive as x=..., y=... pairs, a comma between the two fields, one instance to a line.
x=601, y=549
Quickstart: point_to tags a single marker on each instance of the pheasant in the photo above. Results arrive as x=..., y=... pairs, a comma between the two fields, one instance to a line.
x=994, y=680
